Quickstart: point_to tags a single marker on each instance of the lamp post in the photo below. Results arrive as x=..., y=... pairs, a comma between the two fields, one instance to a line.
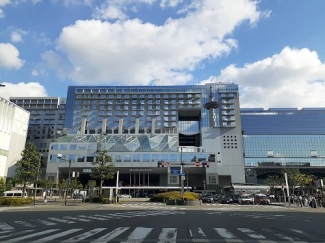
x=39, y=166
x=182, y=169
x=68, y=181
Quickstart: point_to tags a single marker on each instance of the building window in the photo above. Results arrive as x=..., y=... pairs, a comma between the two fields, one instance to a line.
x=173, y=179
x=136, y=158
x=212, y=179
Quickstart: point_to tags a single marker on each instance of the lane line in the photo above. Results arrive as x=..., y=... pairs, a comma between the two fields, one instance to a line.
x=5, y=226
x=138, y=235
x=168, y=235
x=22, y=238
x=55, y=236
x=84, y=235
x=111, y=235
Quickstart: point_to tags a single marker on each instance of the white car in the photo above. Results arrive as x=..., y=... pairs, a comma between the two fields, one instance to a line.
x=246, y=199
x=125, y=196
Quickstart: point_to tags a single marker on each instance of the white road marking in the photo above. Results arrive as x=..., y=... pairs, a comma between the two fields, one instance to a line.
x=58, y=235
x=22, y=238
x=4, y=226
x=251, y=233
x=111, y=235
x=138, y=234
x=168, y=235
x=16, y=234
x=84, y=235
x=229, y=237
x=45, y=222
x=90, y=217
x=24, y=224
x=78, y=219
x=62, y=220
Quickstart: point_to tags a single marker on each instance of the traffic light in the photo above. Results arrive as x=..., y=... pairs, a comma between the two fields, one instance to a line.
x=205, y=164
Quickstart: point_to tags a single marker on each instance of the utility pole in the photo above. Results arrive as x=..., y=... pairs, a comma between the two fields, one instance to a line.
x=68, y=181
x=182, y=175
x=39, y=166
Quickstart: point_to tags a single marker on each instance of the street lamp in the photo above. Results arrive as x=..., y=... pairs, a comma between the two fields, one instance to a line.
x=38, y=168
x=182, y=181
x=68, y=182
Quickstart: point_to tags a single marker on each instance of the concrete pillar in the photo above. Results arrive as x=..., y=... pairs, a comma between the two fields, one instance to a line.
x=120, y=126
x=153, y=125
x=137, y=125
x=83, y=126
x=104, y=126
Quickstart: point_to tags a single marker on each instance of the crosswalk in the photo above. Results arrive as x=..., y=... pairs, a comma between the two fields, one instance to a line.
x=81, y=218
x=160, y=235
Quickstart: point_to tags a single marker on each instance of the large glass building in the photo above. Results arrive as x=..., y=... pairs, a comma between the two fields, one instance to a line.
x=46, y=121
x=150, y=130
x=280, y=138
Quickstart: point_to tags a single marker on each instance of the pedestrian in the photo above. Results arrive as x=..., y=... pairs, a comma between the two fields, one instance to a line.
x=300, y=201
x=45, y=199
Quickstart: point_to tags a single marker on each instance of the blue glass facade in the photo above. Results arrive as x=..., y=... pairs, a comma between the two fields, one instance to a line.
x=284, y=137
x=147, y=102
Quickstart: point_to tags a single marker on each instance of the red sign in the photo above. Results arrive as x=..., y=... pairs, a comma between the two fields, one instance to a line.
x=197, y=163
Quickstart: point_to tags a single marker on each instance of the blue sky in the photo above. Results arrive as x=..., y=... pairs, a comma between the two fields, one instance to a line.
x=273, y=49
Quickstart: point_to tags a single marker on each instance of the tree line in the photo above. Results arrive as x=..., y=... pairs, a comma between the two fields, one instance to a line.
x=28, y=171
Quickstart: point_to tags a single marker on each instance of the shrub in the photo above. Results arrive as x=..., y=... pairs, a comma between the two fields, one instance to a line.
x=105, y=200
x=174, y=195
x=15, y=201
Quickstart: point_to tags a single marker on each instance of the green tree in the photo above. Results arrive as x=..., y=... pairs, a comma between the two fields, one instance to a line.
x=104, y=169
x=2, y=185
x=296, y=179
x=62, y=186
x=45, y=184
x=272, y=181
x=91, y=183
x=75, y=184
x=28, y=167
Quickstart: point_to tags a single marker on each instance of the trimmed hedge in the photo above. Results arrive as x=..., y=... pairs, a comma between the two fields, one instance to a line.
x=104, y=200
x=15, y=201
x=175, y=195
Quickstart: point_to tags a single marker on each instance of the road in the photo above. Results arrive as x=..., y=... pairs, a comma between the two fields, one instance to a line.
x=154, y=222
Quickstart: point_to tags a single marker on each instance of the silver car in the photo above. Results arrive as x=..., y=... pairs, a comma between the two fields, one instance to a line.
x=246, y=199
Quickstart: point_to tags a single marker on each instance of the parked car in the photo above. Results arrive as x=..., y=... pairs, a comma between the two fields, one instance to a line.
x=235, y=198
x=125, y=196
x=208, y=198
x=261, y=199
x=246, y=199
x=226, y=199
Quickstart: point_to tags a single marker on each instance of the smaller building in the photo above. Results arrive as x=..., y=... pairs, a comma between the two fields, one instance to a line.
x=13, y=133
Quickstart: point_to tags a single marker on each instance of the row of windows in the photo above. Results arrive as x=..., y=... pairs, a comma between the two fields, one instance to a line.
x=141, y=102
x=128, y=96
x=188, y=158
x=284, y=162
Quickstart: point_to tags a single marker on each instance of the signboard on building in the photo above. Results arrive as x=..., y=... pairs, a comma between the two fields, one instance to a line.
x=175, y=170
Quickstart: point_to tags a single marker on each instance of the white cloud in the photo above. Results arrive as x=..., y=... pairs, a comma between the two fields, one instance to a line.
x=132, y=52
x=35, y=73
x=170, y=3
x=68, y=3
x=2, y=15
x=4, y=2
x=31, y=89
x=291, y=78
x=116, y=9
x=16, y=35
x=9, y=56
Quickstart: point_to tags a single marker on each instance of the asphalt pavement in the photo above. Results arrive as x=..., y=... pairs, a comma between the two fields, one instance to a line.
x=141, y=222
